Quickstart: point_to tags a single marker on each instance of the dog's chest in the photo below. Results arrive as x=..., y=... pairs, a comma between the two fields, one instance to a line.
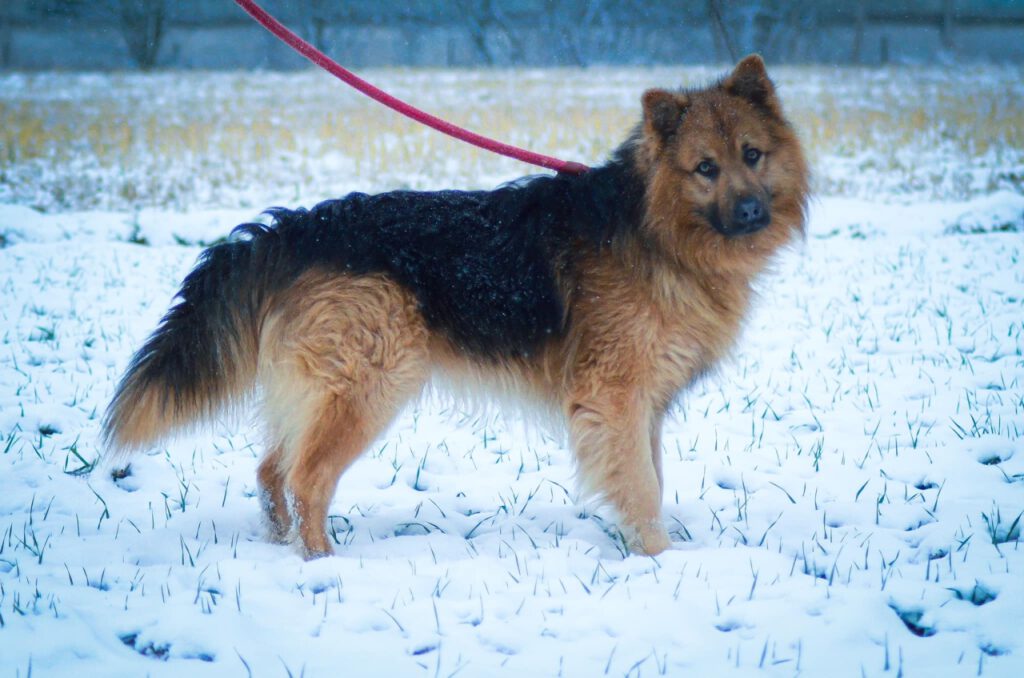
x=696, y=330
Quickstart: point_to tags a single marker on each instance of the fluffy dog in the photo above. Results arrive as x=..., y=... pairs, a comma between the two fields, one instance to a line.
x=602, y=296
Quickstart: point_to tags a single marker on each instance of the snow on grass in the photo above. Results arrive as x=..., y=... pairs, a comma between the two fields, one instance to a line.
x=845, y=495
x=213, y=140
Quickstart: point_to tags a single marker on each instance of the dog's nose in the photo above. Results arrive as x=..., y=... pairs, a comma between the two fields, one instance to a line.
x=750, y=214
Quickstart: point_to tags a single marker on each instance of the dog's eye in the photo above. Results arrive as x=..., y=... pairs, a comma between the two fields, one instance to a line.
x=707, y=169
x=752, y=155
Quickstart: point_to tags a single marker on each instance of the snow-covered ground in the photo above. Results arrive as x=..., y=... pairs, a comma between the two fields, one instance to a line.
x=845, y=495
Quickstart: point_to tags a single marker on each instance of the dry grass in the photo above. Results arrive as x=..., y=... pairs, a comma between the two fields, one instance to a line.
x=247, y=139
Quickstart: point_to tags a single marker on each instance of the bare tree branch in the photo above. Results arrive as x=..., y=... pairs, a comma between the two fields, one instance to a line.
x=722, y=33
x=858, y=35
x=946, y=30
x=476, y=16
x=142, y=26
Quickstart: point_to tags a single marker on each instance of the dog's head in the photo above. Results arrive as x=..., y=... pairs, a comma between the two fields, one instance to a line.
x=727, y=181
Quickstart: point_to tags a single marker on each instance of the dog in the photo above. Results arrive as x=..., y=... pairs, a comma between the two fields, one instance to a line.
x=599, y=296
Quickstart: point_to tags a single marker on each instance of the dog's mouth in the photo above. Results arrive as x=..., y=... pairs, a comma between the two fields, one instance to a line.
x=736, y=231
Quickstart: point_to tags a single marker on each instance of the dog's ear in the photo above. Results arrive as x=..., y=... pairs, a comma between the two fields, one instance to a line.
x=750, y=81
x=663, y=112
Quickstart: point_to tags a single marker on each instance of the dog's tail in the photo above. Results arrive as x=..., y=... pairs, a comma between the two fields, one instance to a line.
x=203, y=355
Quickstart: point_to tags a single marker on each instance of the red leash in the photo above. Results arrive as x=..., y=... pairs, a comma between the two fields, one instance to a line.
x=325, y=62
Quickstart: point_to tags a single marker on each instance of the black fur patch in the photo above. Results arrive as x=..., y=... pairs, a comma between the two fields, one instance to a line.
x=484, y=265
x=198, y=335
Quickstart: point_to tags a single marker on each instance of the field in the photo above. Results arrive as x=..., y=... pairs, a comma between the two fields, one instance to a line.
x=846, y=495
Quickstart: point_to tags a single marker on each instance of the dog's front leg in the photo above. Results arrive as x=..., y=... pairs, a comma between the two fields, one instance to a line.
x=612, y=435
x=657, y=421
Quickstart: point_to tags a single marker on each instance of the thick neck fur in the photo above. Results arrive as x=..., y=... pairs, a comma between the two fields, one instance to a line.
x=619, y=201
x=675, y=309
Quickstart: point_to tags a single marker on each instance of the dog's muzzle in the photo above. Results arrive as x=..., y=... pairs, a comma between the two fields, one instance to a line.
x=749, y=215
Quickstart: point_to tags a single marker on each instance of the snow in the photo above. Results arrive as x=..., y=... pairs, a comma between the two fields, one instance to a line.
x=844, y=495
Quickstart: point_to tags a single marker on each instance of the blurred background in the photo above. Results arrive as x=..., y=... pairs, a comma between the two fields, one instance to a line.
x=129, y=105
x=216, y=34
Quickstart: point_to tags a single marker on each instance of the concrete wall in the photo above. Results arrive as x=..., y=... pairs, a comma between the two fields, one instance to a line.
x=215, y=35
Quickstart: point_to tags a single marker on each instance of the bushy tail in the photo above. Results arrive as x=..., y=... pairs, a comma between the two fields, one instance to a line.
x=203, y=355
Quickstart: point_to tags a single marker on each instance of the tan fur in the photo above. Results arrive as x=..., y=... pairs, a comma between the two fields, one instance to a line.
x=339, y=355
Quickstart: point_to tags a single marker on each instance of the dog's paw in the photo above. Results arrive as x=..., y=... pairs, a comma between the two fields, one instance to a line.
x=650, y=540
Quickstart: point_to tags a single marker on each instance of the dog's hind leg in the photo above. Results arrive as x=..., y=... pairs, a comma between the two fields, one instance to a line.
x=612, y=437
x=272, y=497
x=340, y=356
x=342, y=430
